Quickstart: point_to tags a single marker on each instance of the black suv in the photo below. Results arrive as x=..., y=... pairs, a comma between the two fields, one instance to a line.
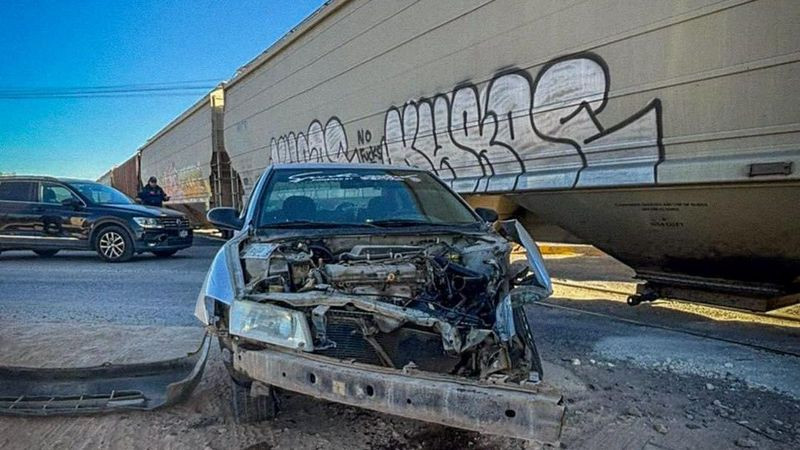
x=47, y=214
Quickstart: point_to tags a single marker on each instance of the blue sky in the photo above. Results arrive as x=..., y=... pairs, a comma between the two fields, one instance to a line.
x=86, y=43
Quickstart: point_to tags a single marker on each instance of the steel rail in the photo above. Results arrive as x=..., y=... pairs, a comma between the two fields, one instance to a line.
x=667, y=328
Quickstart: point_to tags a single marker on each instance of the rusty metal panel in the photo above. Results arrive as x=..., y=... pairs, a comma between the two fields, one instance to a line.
x=535, y=413
x=125, y=177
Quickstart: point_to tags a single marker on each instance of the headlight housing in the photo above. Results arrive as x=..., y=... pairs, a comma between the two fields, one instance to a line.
x=271, y=324
x=147, y=222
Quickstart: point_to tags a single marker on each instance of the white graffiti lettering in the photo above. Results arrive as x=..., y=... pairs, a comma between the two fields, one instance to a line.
x=515, y=134
x=319, y=144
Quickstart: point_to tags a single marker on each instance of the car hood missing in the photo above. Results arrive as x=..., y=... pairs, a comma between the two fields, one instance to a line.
x=456, y=292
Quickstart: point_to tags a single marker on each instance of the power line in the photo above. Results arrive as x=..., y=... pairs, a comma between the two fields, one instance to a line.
x=131, y=95
x=173, y=88
x=114, y=86
x=101, y=93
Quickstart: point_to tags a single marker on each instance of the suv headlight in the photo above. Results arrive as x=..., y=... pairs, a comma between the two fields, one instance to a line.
x=271, y=324
x=147, y=222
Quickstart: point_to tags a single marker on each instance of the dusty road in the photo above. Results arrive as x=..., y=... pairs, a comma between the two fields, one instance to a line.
x=684, y=384
x=77, y=286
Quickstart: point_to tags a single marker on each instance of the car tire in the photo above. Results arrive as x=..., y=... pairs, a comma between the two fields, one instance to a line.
x=164, y=253
x=248, y=408
x=113, y=244
x=46, y=253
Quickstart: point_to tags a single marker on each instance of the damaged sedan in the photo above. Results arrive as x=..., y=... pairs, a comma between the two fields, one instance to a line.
x=379, y=287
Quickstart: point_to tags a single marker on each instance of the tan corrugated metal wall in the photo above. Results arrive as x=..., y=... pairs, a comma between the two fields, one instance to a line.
x=125, y=177
x=529, y=95
x=180, y=157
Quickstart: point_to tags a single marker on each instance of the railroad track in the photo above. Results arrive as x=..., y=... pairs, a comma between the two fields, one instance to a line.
x=641, y=323
x=761, y=315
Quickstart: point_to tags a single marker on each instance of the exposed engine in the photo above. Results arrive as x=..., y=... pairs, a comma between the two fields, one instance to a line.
x=438, y=304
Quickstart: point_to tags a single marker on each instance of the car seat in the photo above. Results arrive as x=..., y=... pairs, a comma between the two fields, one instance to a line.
x=378, y=208
x=48, y=196
x=299, y=207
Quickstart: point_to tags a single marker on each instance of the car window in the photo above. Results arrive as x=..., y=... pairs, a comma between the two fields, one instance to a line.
x=55, y=193
x=18, y=191
x=100, y=194
x=359, y=196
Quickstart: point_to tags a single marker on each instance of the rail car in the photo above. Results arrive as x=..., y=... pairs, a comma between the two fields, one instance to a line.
x=667, y=134
x=188, y=157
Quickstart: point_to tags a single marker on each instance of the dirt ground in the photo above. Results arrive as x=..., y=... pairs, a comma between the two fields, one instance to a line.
x=625, y=385
x=205, y=420
x=610, y=405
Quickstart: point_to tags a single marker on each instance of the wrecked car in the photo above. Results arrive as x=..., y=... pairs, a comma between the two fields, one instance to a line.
x=379, y=287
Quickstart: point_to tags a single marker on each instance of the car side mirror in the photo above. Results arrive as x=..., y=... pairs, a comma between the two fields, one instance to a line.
x=226, y=218
x=71, y=203
x=487, y=214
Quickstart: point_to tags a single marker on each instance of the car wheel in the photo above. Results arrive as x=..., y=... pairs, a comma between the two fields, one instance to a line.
x=164, y=253
x=46, y=253
x=113, y=244
x=248, y=408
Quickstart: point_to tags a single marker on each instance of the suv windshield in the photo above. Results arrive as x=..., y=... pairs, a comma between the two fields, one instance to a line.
x=100, y=194
x=359, y=197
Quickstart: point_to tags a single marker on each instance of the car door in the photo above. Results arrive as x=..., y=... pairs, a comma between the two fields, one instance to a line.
x=17, y=216
x=63, y=218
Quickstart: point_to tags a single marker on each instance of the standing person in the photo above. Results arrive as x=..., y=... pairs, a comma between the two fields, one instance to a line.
x=152, y=194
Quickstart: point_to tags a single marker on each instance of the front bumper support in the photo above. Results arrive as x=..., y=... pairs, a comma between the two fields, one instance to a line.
x=533, y=413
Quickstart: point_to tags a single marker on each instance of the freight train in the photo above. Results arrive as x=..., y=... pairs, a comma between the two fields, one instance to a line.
x=666, y=134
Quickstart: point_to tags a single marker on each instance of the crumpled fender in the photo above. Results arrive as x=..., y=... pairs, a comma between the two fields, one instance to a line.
x=537, y=285
x=112, y=387
x=224, y=280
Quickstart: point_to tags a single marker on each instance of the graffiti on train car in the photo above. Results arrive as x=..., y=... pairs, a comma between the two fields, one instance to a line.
x=520, y=132
x=187, y=184
x=319, y=143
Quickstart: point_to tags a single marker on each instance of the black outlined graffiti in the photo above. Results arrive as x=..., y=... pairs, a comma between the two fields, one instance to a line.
x=516, y=134
x=569, y=94
x=366, y=151
x=417, y=134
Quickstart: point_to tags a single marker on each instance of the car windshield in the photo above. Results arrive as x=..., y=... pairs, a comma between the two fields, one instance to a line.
x=359, y=197
x=101, y=194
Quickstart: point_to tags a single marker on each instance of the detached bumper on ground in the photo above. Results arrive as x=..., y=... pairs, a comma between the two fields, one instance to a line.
x=534, y=413
x=86, y=390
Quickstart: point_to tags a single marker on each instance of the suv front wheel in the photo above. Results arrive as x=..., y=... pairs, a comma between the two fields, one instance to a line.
x=114, y=244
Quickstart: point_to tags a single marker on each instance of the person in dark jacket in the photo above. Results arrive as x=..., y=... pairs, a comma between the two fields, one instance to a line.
x=152, y=194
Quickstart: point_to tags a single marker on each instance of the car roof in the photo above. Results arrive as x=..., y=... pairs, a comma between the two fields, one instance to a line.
x=76, y=180
x=43, y=178
x=340, y=166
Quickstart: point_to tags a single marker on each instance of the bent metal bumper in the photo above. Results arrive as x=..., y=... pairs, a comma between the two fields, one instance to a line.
x=535, y=412
x=85, y=390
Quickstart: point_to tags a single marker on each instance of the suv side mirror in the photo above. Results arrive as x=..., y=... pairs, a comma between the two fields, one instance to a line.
x=226, y=218
x=487, y=214
x=71, y=202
